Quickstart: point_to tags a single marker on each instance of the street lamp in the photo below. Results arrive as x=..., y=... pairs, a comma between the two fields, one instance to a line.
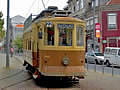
x=7, y=36
x=93, y=24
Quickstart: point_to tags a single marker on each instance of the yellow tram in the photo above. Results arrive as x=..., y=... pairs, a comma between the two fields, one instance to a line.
x=54, y=45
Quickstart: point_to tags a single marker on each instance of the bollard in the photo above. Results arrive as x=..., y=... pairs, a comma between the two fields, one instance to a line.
x=112, y=70
x=95, y=66
x=103, y=67
x=87, y=66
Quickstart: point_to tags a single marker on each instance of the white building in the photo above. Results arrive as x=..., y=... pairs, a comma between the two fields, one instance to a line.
x=17, y=23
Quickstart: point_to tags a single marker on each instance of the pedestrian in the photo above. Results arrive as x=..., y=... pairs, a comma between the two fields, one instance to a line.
x=11, y=51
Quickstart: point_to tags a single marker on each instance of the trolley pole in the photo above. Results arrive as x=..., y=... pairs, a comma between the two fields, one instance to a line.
x=93, y=25
x=7, y=36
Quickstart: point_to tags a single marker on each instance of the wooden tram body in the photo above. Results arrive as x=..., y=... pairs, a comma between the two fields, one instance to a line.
x=55, y=46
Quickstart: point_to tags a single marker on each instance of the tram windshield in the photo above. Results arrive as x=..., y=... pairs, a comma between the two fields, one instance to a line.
x=65, y=34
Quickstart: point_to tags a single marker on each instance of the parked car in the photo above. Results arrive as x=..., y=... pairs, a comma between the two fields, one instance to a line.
x=94, y=57
x=112, y=56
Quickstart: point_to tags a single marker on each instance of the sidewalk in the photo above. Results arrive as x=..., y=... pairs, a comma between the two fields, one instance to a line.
x=14, y=66
x=99, y=81
x=12, y=75
x=13, y=62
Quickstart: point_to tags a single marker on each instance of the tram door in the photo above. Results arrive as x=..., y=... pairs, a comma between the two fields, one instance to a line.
x=40, y=37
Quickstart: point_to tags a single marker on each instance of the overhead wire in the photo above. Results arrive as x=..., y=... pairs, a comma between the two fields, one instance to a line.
x=47, y=2
x=30, y=7
x=38, y=6
x=43, y=4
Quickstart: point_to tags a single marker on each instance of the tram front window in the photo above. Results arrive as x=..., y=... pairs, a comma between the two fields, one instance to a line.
x=65, y=34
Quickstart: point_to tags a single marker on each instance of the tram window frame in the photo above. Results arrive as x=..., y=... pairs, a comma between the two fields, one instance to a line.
x=65, y=34
x=51, y=33
x=79, y=35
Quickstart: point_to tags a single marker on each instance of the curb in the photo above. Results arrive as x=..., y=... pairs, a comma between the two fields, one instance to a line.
x=100, y=73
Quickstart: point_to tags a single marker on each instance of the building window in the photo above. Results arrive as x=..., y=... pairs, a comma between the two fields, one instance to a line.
x=112, y=20
x=74, y=8
x=91, y=23
x=77, y=5
x=96, y=2
x=88, y=25
x=82, y=4
x=96, y=20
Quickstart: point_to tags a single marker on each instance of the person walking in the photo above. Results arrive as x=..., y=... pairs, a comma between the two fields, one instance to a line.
x=11, y=51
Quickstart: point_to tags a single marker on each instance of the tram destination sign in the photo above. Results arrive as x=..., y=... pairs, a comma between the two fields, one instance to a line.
x=65, y=26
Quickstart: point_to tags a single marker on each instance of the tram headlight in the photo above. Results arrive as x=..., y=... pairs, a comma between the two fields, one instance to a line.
x=65, y=61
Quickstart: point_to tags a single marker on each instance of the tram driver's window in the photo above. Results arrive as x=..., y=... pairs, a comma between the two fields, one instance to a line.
x=79, y=35
x=49, y=34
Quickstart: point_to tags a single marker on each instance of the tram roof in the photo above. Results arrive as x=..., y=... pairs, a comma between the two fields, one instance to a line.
x=62, y=19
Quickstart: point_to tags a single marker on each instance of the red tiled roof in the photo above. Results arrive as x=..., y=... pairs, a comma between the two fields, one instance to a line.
x=111, y=2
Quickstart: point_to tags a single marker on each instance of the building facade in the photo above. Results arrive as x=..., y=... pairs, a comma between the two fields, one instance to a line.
x=111, y=24
x=17, y=26
x=77, y=7
x=94, y=16
x=107, y=14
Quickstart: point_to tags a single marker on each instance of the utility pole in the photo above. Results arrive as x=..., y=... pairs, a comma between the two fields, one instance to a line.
x=94, y=24
x=7, y=36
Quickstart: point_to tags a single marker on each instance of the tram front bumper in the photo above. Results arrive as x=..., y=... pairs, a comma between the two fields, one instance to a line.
x=64, y=71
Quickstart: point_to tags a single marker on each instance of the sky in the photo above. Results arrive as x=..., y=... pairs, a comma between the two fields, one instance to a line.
x=26, y=7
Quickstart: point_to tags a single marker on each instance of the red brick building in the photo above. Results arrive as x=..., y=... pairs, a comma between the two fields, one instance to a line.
x=110, y=24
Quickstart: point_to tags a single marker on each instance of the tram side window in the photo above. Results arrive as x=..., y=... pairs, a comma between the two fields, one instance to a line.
x=49, y=35
x=29, y=44
x=65, y=34
x=79, y=35
x=40, y=34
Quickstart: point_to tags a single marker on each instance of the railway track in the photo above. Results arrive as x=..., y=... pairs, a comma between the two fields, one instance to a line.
x=13, y=84
x=12, y=75
x=14, y=79
x=48, y=85
x=56, y=85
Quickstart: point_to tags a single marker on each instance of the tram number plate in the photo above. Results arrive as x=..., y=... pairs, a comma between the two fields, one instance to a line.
x=65, y=26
